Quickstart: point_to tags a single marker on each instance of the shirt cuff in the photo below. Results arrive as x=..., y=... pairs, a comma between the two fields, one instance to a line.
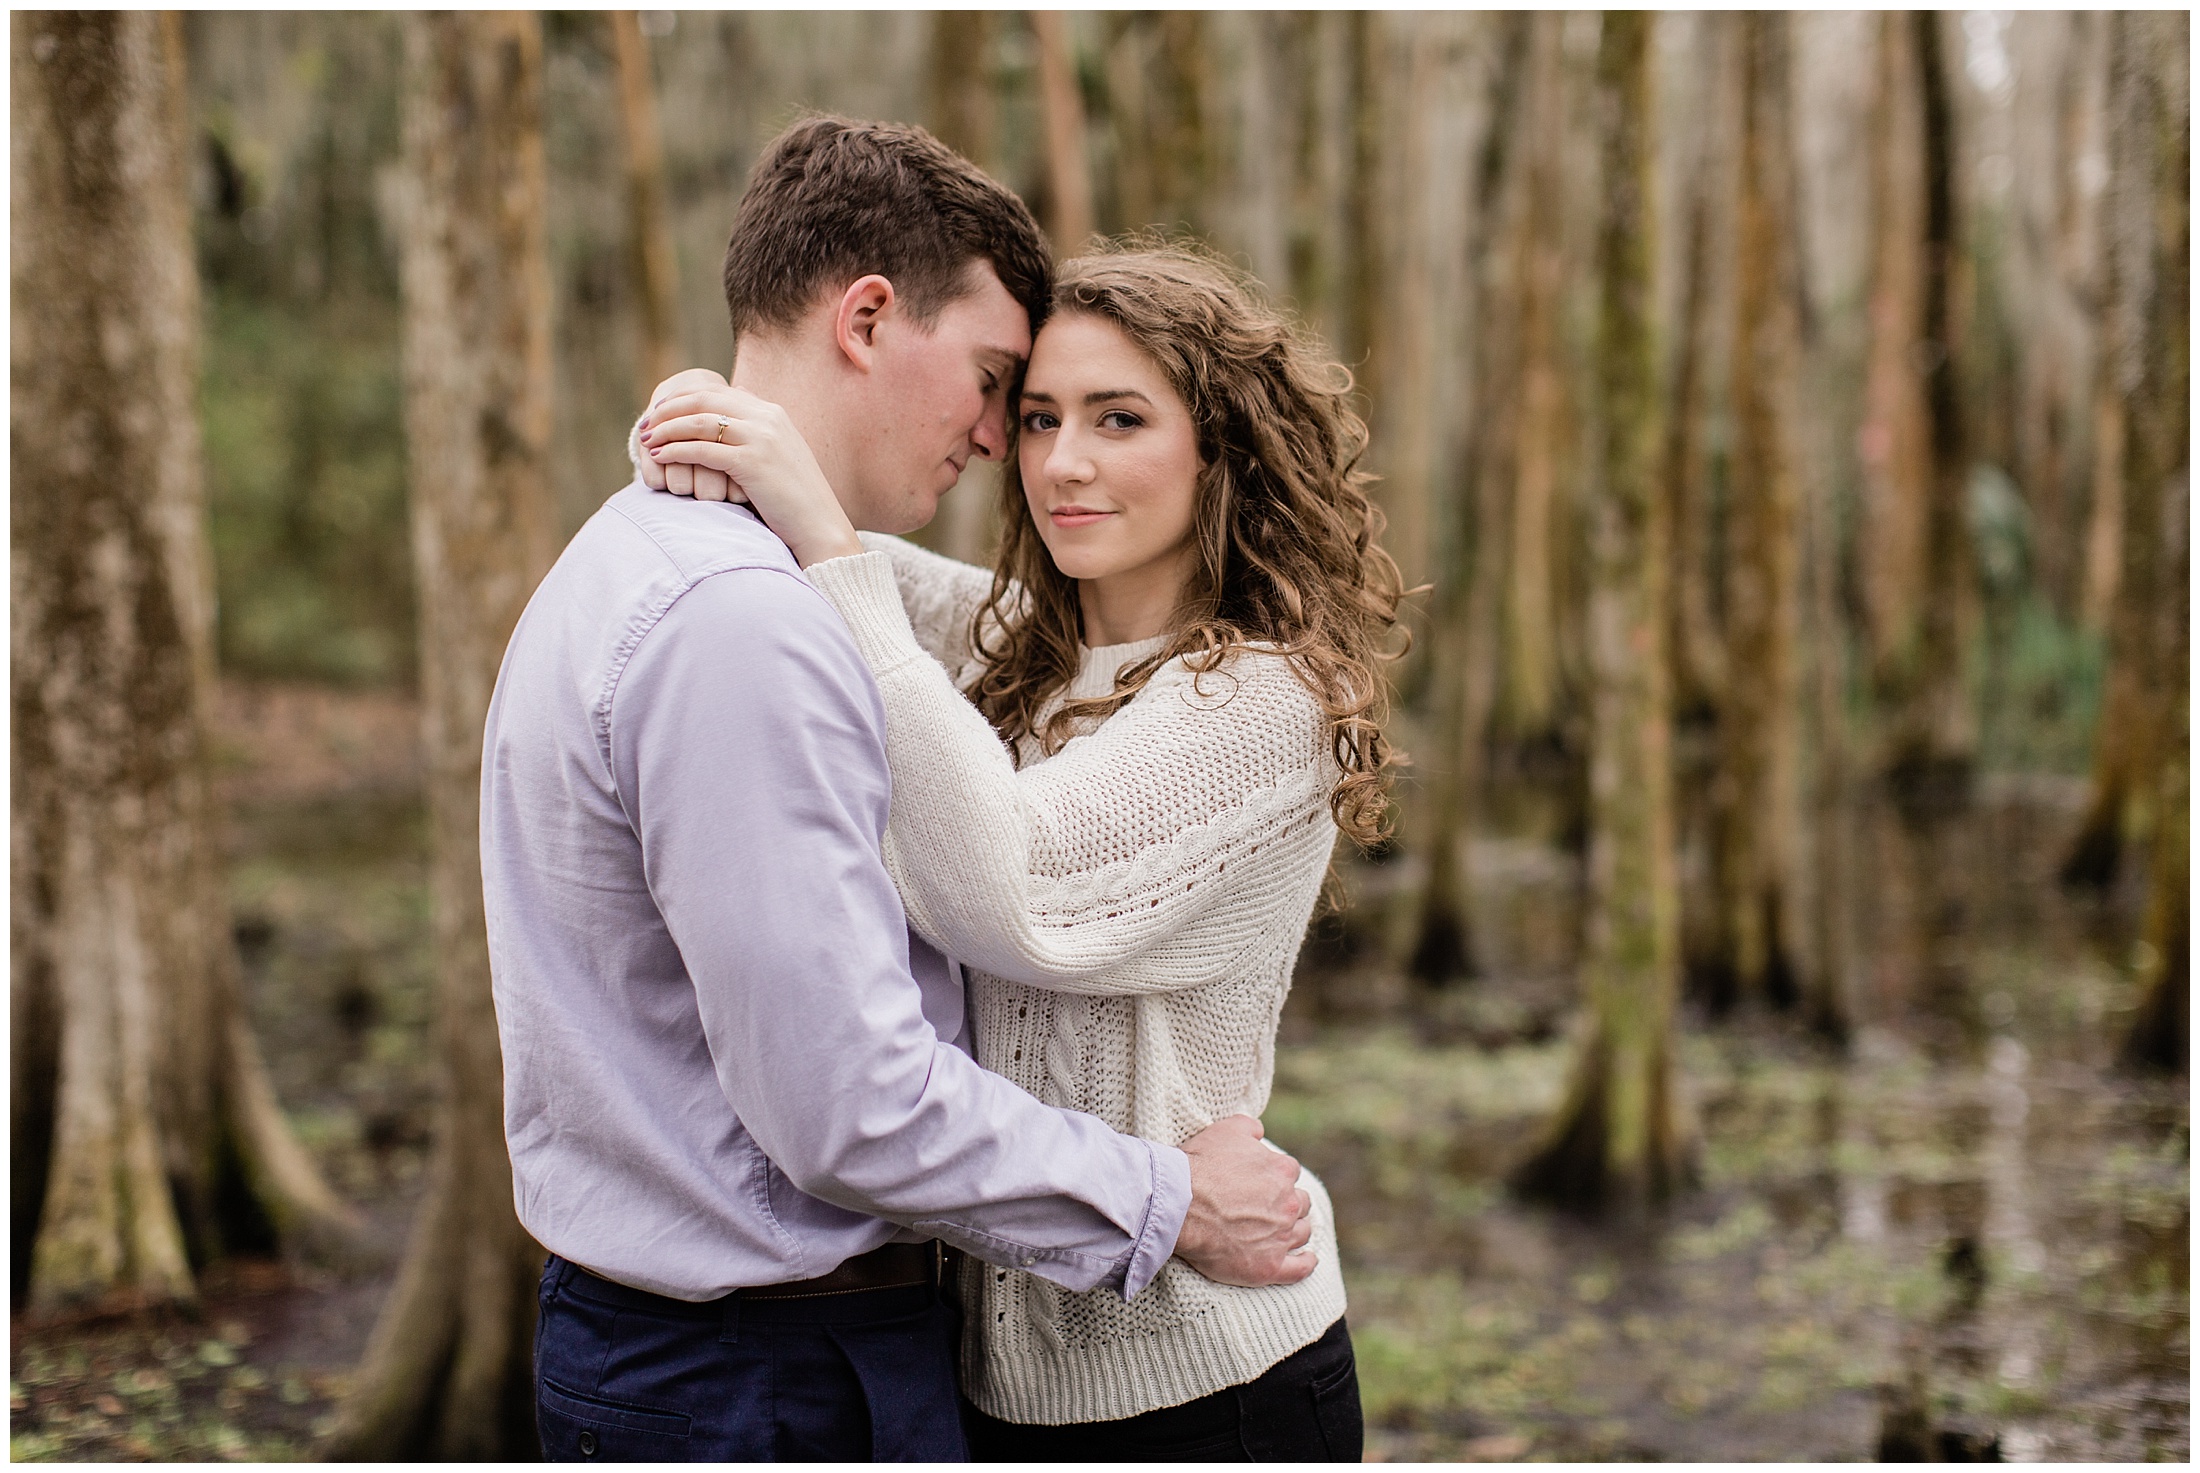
x=1165, y=1213
x=862, y=588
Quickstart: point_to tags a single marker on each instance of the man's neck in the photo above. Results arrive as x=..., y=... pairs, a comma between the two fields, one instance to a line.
x=781, y=371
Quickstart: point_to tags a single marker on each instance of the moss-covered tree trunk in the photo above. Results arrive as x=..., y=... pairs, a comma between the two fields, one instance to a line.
x=1760, y=928
x=1619, y=1138
x=2146, y=350
x=448, y=1371
x=144, y=1131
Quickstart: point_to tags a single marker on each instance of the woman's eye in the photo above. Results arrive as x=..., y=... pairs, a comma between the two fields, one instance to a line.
x=1039, y=422
x=1119, y=419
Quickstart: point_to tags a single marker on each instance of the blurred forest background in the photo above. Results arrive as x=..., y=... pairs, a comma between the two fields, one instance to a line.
x=1765, y=1035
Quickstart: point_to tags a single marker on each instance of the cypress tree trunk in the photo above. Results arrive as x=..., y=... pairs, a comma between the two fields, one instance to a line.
x=144, y=1132
x=1069, y=171
x=1460, y=683
x=1932, y=742
x=1893, y=437
x=1760, y=839
x=1618, y=1139
x=448, y=1372
x=1705, y=104
x=649, y=218
x=960, y=101
x=2146, y=352
x=2161, y=1034
x=1541, y=461
x=962, y=108
x=2152, y=633
x=1401, y=340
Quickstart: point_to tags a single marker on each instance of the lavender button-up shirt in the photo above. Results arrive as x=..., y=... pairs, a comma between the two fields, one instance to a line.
x=726, y=1060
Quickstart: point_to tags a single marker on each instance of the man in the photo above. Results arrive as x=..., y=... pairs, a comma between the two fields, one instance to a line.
x=737, y=1111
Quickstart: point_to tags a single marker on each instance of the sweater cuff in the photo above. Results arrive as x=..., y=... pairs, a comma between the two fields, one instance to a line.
x=862, y=588
x=1165, y=1213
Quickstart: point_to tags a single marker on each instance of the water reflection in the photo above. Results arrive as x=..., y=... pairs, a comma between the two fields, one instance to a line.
x=1964, y=1238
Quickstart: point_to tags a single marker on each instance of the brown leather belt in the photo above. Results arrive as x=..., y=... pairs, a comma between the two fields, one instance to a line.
x=895, y=1266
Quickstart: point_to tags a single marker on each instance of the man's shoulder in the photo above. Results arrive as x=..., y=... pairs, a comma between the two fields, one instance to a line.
x=694, y=538
x=650, y=569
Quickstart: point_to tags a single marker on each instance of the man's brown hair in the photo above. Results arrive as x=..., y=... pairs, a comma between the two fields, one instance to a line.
x=832, y=199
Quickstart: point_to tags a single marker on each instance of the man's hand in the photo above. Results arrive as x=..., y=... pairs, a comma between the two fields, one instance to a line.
x=1248, y=1223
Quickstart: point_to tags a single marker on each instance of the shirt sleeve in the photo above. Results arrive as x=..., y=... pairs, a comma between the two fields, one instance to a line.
x=1072, y=873
x=746, y=741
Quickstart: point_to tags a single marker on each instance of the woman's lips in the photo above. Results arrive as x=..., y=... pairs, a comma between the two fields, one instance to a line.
x=1077, y=516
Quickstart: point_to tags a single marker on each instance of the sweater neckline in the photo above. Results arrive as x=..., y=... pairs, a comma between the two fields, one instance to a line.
x=1098, y=665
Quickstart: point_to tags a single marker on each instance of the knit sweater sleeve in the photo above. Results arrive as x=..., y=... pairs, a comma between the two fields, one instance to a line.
x=939, y=594
x=1107, y=868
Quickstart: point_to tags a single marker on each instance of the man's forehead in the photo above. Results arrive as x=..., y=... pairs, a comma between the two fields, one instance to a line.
x=995, y=321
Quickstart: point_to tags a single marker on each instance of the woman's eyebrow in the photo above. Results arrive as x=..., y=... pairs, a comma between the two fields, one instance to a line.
x=1098, y=396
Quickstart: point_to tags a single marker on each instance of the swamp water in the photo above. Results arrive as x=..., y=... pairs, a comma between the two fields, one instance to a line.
x=1964, y=1238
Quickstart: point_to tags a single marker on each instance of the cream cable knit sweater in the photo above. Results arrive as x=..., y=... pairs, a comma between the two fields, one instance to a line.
x=1129, y=909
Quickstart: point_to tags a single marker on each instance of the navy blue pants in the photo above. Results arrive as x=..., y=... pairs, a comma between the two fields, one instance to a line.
x=627, y=1376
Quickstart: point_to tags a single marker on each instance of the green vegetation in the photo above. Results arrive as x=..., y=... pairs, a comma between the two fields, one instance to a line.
x=305, y=464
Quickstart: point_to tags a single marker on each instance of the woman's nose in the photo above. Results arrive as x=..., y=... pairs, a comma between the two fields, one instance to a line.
x=1067, y=463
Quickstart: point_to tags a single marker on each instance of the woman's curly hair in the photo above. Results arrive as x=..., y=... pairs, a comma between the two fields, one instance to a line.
x=1287, y=535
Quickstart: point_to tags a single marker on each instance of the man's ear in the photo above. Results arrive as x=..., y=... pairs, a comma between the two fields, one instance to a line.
x=866, y=303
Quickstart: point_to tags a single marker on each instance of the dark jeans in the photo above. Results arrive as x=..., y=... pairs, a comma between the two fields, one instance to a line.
x=1303, y=1409
x=627, y=1376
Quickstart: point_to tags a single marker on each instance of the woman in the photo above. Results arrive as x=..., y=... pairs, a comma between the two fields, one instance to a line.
x=1117, y=784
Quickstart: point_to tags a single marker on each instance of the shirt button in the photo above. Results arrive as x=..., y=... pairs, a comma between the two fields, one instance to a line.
x=1029, y=1261
x=588, y=1444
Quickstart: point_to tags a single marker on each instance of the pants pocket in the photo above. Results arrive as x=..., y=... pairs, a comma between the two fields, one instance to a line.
x=1337, y=1410
x=579, y=1428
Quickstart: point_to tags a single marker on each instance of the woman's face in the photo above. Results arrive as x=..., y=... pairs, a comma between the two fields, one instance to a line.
x=1109, y=455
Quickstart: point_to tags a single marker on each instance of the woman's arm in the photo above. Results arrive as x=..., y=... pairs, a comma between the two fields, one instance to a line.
x=1072, y=873
x=939, y=594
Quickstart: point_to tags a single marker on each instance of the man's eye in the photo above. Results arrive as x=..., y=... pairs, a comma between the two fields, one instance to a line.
x=992, y=383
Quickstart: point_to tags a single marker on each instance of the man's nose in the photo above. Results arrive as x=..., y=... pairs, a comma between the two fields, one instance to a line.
x=989, y=437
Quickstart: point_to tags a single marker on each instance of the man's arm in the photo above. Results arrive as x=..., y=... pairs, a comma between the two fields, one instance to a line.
x=747, y=744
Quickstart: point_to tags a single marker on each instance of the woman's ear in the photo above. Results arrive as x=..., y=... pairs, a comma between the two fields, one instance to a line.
x=863, y=306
